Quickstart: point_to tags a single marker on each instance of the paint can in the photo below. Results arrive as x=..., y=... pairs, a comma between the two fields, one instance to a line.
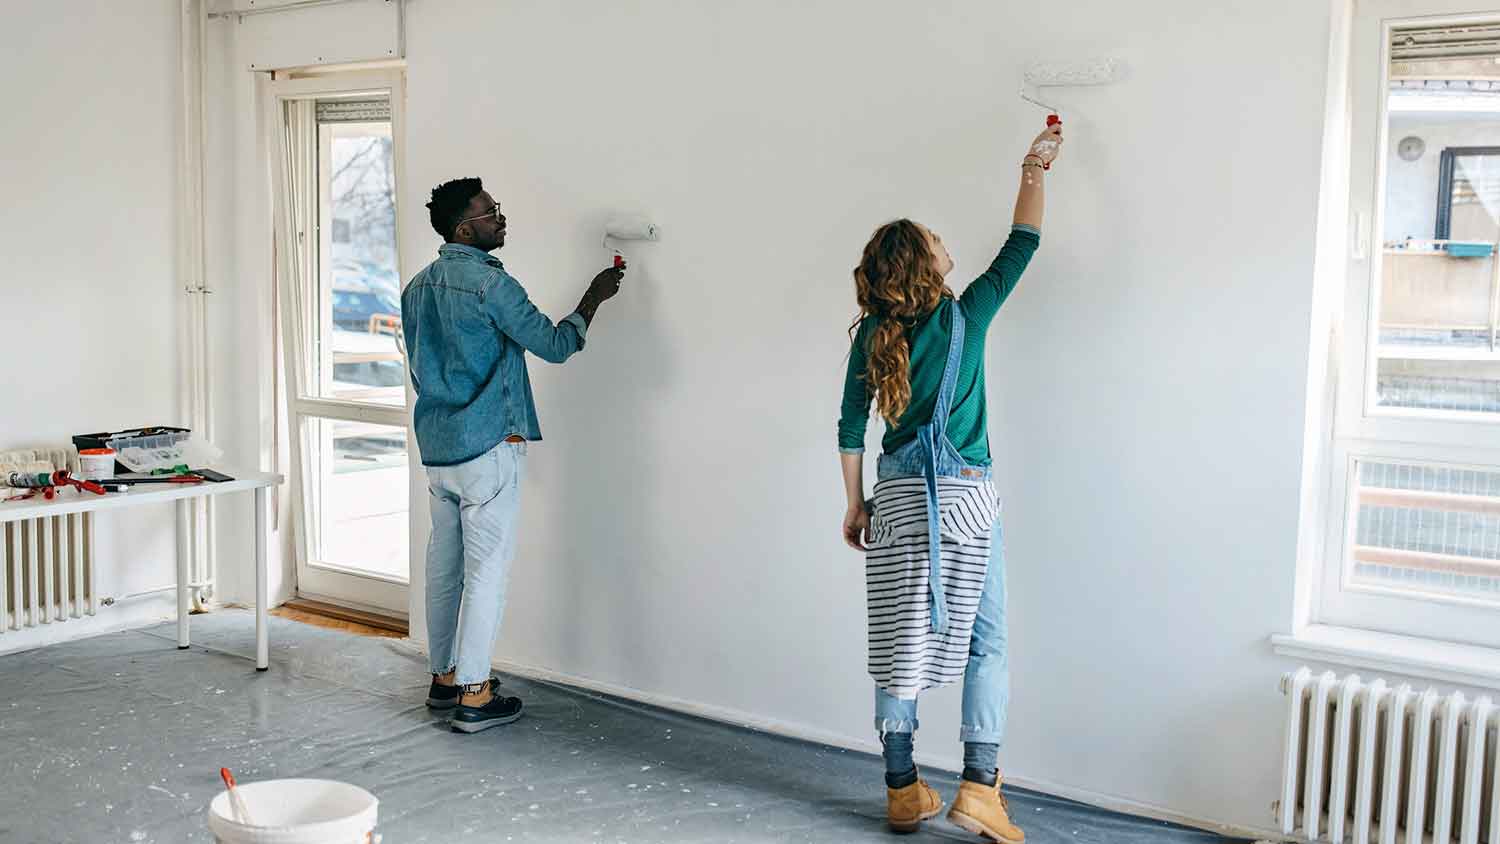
x=300, y=811
x=96, y=464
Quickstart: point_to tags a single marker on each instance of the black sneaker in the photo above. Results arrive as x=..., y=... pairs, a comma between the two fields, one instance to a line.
x=472, y=719
x=446, y=697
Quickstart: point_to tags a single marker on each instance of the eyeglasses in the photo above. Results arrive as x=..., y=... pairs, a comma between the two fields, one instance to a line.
x=493, y=213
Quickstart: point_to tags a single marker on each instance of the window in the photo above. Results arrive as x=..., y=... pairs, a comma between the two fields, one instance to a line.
x=340, y=305
x=1427, y=527
x=1414, y=509
x=1468, y=201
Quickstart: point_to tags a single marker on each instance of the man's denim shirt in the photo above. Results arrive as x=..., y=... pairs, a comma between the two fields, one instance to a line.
x=468, y=325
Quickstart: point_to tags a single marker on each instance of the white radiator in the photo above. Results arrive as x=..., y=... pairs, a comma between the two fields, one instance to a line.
x=1366, y=763
x=46, y=570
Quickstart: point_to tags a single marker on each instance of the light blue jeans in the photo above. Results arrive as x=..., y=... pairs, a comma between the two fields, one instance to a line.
x=987, y=677
x=474, y=509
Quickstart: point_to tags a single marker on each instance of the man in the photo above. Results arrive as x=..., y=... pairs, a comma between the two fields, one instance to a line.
x=467, y=325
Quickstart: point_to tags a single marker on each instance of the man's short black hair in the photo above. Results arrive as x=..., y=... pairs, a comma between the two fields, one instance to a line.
x=449, y=202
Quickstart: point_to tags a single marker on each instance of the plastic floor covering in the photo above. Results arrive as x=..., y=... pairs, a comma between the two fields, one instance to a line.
x=119, y=738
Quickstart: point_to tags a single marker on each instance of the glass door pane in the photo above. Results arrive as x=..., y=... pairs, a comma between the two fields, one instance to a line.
x=359, y=497
x=360, y=292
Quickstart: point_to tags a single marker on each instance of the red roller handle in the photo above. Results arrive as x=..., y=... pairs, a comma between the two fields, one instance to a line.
x=1052, y=120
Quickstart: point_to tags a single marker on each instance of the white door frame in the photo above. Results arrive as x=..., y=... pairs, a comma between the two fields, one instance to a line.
x=360, y=589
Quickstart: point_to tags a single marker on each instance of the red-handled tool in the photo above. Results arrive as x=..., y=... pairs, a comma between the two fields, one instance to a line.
x=1052, y=120
x=236, y=802
x=86, y=484
x=619, y=261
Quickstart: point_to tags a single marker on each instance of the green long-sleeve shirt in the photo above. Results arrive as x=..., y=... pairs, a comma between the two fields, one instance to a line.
x=929, y=338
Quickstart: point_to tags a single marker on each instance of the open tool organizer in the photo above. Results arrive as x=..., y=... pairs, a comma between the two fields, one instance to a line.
x=151, y=447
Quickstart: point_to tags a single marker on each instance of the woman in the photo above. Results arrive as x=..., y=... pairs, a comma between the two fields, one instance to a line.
x=934, y=569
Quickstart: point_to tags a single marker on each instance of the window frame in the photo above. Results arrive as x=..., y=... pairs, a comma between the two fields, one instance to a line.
x=1362, y=430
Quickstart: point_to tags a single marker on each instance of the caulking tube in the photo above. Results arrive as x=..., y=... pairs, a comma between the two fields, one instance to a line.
x=30, y=480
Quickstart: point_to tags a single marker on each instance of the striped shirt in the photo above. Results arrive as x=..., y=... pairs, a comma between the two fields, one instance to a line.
x=907, y=655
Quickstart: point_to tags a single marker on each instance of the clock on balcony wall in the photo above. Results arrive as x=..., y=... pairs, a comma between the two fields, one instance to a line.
x=1411, y=148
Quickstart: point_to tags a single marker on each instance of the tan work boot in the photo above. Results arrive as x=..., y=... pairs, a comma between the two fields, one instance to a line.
x=981, y=809
x=907, y=807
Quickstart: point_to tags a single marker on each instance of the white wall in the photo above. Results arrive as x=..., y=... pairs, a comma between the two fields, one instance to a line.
x=1147, y=382
x=88, y=296
x=679, y=539
x=1411, y=186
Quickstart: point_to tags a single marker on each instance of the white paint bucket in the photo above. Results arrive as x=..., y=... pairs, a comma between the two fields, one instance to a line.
x=97, y=464
x=297, y=812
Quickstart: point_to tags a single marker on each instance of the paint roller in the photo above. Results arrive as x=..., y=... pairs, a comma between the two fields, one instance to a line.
x=1064, y=74
x=629, y=228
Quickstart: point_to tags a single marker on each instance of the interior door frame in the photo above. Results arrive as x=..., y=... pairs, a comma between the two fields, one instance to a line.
x=317, y=579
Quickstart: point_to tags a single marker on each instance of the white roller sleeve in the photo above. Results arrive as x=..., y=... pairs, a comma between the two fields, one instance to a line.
x=1059, y=74
x=631, y=228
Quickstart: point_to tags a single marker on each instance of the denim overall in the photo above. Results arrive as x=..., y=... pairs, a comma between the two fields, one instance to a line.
x=931, y=456
x=987, y=677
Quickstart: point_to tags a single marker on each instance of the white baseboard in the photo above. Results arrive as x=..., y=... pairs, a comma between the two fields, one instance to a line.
x=946, y=762
x=125, y=615
x=721, y=714
x=1141, y=810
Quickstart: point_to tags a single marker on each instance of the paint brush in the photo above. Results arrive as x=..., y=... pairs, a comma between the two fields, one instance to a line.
x=241, y=811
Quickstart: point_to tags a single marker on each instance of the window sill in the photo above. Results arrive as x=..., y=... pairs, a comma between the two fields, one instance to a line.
x=1467, y=665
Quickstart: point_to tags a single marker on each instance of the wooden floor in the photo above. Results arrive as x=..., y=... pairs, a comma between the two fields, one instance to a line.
x=319, y=620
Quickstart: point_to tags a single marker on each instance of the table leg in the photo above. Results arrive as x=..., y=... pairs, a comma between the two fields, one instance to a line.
x=262, y=645
x=184, y=578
